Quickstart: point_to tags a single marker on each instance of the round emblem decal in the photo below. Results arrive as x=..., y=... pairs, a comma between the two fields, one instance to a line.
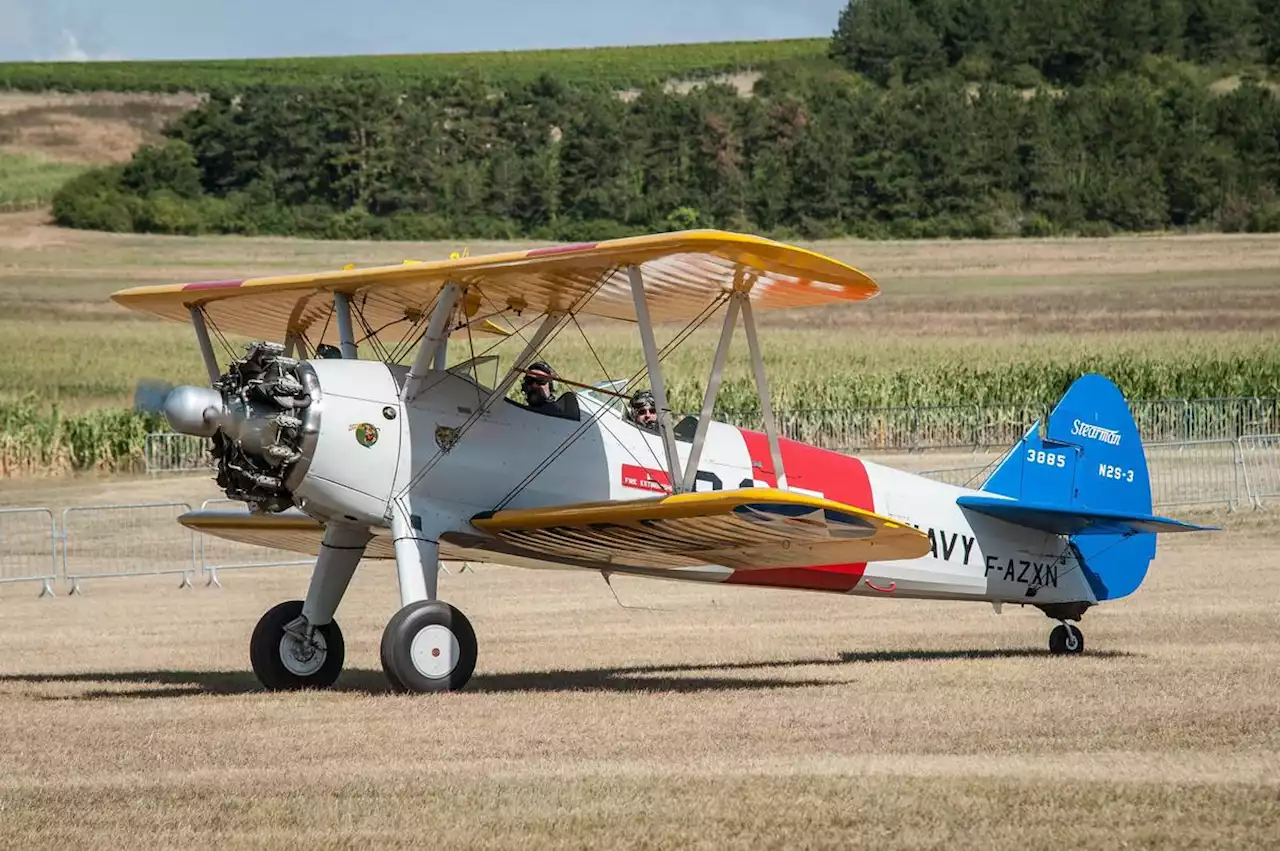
x=366, y=434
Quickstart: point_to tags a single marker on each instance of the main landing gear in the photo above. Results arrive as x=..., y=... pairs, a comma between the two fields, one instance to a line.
x=428, y=646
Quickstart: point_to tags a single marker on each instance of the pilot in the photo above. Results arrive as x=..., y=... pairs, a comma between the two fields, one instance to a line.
x=540, y=393
x=643, y=410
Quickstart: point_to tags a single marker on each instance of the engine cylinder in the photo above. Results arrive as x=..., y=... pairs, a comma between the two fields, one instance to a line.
x=267, y=405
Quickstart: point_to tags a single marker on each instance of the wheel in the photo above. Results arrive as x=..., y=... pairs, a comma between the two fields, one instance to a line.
x=428, y=646
x=387, y=668
x=284, y=662
x=1066, y=638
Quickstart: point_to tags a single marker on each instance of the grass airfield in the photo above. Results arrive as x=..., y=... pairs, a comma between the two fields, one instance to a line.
x=701, y=716
x=696, y=717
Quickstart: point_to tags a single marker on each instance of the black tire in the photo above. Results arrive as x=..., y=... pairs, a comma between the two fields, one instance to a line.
x=387, y=668
x=1066, y=639
x=398, y=640
x=265, y=652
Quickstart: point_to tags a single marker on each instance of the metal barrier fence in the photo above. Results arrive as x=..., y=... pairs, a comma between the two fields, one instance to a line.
x=1196, y=472
x=220, y=554
x=1260, y=460
x=913, y=429
x=980, y=426
x=29, y=547
x=100, y=541
x=166, y=452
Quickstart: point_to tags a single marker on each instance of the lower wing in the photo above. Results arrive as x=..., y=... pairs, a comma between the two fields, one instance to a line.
x=744, y=529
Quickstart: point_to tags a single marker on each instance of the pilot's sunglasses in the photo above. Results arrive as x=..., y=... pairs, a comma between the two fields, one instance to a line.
x=646, y=410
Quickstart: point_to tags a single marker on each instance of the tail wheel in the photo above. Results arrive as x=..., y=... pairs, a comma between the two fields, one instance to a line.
x=1066, y=639
x=285, y=660
x=428, y=647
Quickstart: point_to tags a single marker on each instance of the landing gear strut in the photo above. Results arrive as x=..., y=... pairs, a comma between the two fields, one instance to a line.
x=298, y=644
x=1065, y=639
x=428, y=646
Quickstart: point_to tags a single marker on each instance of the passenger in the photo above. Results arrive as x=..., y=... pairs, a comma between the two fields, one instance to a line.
x=540, y=393
x=643, y=411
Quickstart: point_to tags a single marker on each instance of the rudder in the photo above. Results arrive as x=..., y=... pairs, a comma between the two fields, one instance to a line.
x=1089, y=458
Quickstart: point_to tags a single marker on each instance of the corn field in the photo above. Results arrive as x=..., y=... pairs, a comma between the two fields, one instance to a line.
x=844, y=390
x=41, y=439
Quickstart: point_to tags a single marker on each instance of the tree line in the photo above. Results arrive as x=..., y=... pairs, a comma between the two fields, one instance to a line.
x=1066, y=42
x=813, y=157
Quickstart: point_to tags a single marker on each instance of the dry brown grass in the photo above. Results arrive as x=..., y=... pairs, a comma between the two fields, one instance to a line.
x=90, y=127
x=965, y=288
x=705, y=717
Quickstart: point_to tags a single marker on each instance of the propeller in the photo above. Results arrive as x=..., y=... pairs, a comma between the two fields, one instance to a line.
x=187, y=408
x=149, y=395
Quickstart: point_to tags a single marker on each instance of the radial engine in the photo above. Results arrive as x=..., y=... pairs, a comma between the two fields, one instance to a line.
x=262, y=417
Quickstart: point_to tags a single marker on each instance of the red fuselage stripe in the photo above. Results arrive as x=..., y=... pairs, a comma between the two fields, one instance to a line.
x=837, y=477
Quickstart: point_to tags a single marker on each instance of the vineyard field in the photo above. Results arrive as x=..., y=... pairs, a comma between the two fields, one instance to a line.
x=611, y=66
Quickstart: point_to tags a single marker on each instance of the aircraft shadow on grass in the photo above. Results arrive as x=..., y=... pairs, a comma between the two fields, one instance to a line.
x=639, y=678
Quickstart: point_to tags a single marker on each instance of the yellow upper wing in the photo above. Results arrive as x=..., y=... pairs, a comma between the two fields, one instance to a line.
x=683, y=272
x=743, y=529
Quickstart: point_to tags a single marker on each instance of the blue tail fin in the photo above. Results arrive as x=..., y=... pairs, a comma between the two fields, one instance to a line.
x=1085, y=477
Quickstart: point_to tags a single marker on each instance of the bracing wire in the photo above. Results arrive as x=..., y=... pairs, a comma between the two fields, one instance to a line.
x=608, y=378
x=217, y=332
x=370, y=335
x=471, y=420
x=678, y=340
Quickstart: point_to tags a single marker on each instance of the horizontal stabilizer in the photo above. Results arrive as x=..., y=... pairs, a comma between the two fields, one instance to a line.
x=1075, y=520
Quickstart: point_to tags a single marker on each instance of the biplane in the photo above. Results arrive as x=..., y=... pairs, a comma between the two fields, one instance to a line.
x=347, y=457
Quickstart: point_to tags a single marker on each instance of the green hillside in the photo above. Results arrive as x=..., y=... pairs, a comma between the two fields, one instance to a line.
x=918, y=118
x=611, y=66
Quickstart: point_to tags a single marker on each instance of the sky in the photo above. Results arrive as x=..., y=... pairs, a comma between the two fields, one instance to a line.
x=81, y=30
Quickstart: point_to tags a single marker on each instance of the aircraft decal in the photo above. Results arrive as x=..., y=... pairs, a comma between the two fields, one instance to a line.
x=1034, y=574
x=1095, y=432
x=647, y=479
x=446, y=437
x=366, y=433
x=949, y=546
x=642, y=478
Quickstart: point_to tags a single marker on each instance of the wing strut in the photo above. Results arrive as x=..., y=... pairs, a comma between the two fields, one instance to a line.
x=655, y=377
x=206, y=345
x=437, y=332
x=762, y=386
x=713, y=388
x=550, y=323
x=346, y=339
